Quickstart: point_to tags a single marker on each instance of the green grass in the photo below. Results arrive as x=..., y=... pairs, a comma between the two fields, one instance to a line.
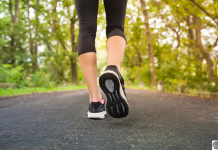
x=189, y=92
x=28, y=90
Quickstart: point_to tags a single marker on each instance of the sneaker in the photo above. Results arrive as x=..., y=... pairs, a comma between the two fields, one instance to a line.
x=112, y=84
x=97, y=110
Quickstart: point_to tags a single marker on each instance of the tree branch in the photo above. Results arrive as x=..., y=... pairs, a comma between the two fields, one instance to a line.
x=200, y=7
x=215, y=43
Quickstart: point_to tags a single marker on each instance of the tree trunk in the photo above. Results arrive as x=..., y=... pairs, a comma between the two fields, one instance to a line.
x=132, y=59
x=17, y=11
x=149, y=42
x=216, y=64
x=193, y=46
x=18, y=37
x=133, y=62
x=203, y=50
x=30, y=33
x=57, y=46
x=139, y=56
x=54, y=15
x=35, y=66
x=12, y=42
x=56, y=72
x=47, y=44
x=74, y=49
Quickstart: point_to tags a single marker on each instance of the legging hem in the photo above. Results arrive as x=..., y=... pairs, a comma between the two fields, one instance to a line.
x=82, y=52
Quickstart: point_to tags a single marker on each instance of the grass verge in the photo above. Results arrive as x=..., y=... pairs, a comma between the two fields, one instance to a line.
x=189, y=92
x=29, y=90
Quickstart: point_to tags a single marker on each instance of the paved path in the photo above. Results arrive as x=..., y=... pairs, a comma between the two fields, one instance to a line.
x=156, y=121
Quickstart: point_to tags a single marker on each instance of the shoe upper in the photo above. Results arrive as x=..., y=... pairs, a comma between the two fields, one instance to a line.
x=114, y=68
x=96, y=107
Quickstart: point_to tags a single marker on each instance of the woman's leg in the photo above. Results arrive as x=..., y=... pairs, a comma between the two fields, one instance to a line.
x=116, y=40
x=89, y=68
x=87, y=13
x=115, y=49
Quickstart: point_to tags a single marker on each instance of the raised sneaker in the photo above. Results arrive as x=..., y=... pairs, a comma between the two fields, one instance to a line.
x=97, y=109
x=112, y=84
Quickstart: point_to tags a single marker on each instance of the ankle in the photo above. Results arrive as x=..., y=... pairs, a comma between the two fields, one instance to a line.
x=95, y=98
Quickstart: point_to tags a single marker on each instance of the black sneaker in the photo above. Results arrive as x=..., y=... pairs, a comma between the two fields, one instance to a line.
x=112, y=84
x=97, y=110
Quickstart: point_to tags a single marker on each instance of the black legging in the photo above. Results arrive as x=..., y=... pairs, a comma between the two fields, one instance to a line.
x=87, y=11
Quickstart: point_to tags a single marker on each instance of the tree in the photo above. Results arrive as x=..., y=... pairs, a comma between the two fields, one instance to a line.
x=35, y=52
x=149, y=42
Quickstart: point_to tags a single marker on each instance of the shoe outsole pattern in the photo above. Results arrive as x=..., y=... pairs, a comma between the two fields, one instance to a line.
x=117, y=105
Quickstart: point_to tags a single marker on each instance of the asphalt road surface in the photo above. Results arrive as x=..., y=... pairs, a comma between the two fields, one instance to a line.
x=157, y=121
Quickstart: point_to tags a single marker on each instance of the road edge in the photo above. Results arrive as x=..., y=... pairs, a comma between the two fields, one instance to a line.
x=33, y=93
x=178, y=94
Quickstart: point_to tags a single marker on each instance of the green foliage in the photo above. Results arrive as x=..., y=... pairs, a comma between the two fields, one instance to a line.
x=41, y=79
x=9, y=74
x=177, y=63
x=140, y=74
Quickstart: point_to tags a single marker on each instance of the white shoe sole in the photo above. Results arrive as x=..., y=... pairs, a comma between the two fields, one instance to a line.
x=100, y=115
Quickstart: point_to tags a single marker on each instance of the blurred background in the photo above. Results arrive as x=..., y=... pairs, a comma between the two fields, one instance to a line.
x=172, y=46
